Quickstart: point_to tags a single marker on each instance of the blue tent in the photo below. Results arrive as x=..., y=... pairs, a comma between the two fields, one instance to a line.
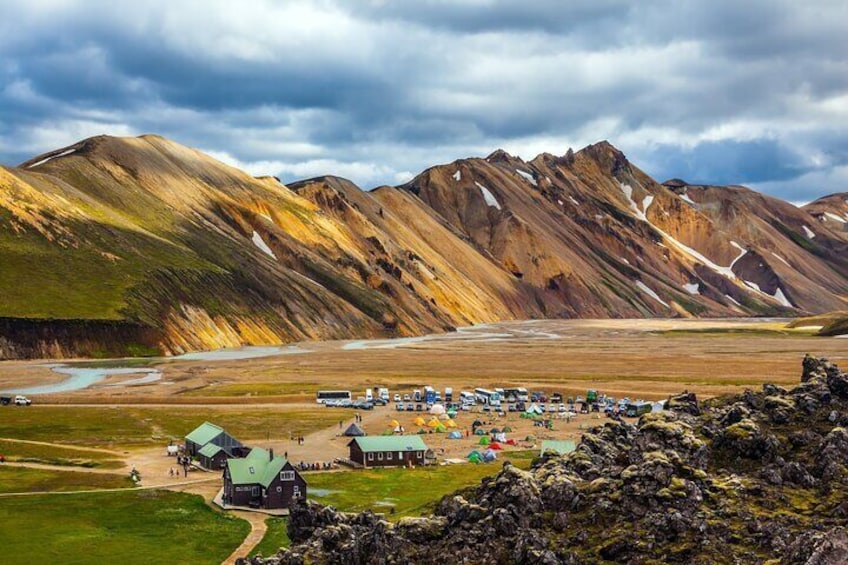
x=489, y=456
x=455, y=435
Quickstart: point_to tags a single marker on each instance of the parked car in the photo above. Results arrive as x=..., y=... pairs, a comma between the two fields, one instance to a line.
x=410, y=407
x=21, y=400
x=406, y=398
x=5, y=400
x=419, y=407
x=399, y=406
x=397, y=397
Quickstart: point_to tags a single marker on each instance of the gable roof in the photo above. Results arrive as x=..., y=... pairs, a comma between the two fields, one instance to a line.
x=210, y=450
x=353, y=431
x=558, y=447
x=204, y=433
x=256, y=469
x=389, y=443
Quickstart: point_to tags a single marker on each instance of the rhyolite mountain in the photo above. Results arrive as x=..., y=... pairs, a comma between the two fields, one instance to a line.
x=121, y=246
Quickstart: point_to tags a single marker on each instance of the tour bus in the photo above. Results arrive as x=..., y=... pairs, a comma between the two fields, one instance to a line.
x=368, y=394
x=485, y=396
x=467, y=398
x=448, y=394
x=325, y=396
x=384, y=394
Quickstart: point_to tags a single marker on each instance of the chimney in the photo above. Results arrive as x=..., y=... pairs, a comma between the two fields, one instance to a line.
x=271, y=454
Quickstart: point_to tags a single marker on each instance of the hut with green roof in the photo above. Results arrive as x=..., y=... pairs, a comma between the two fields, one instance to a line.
x=387, y=451
x=261, y=480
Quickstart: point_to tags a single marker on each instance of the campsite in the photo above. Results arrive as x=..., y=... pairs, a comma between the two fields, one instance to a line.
x=90, y=439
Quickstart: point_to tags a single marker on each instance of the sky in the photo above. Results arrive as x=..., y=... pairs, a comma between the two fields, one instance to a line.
x=720, y=92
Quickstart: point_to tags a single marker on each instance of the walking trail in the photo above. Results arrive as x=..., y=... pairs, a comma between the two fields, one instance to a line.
x=258, y=527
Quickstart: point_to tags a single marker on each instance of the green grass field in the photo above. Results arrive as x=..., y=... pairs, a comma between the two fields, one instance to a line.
x=55, y=455
x=24, y=479
x=275, y=538
x=131, y=426
x=135, y=527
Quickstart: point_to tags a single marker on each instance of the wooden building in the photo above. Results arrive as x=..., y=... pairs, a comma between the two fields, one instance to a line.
x=207, y=433
x=261, y=480
x=387, y=451
x=213, y=456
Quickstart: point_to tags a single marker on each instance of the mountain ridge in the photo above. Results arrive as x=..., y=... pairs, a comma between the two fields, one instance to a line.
x=197, y=254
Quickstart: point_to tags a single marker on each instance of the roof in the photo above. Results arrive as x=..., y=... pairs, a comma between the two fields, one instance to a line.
x=256, y=468
x=204, y=433
x=560, y=447
x=210, y=450
x=389, y=443
x=354, y=430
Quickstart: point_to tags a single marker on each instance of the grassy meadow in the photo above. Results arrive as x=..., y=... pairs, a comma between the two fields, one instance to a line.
x=133, y=527
x=137, y=426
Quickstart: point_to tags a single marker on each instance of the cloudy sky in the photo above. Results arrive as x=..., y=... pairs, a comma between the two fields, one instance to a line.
x=752, y=92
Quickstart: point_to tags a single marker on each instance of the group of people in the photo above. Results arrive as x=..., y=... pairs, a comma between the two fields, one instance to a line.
x=317, y=466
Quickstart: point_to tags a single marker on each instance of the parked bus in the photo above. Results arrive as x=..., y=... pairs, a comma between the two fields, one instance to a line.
x=332, y=395
x=448, y=394
x=467, y=398
x=636, y=409
x=485, y=396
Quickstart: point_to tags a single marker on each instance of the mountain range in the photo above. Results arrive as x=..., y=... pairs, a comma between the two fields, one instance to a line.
x=139, y=246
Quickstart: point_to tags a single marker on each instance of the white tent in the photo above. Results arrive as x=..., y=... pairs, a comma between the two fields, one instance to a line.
x=437, y=409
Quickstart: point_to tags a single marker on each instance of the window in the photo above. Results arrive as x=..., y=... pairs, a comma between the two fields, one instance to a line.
x=286, y=475
x=254, y=491
x=380, y=456
x=389, y=455
x=400, y=455
x=370, y=456
x=420, y=454
x=296, y=493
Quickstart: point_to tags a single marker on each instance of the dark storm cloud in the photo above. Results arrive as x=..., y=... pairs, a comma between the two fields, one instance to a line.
x=718, y=92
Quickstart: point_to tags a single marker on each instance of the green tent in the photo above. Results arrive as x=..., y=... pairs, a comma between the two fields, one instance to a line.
x=452, y=412
x=530, y=438
x=475, y=457
x=479, y=432
x=422, y=431
x=506, y=429
x=484, y=440
x=388, y=432
x=441, y=429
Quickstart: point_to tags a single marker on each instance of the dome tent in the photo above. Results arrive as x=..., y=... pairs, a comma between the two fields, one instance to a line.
x=437, y=409
x=479, y=432
x=484, y=440
x=489, y=456
x=474, y=457
x=455, y=435
x=354, y=431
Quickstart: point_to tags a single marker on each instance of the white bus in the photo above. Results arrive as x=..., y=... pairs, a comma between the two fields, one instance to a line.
x=485, y=396
x=518, y=394
x=467, y=398
x=325, y=396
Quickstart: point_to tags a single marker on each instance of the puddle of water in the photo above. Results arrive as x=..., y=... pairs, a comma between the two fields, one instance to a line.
x=322, y=492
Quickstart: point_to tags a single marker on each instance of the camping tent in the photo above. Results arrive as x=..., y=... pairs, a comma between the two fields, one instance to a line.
x=419, y=421
x=354, y=431
x=394, y=424
x=489, y=455
x=452, y=412
x=434, y=423
x=511, y=442
x=444, y=417
x=495, y=445
x=484, y=440
x=506, y=429
x=450, y=424
x=479, y=432
x=421, y=431
x=388, y=432
x=474, y=457
x=437, y=409
x=455, y=435
x=476, y=424
x=441, y=429
x=530, y=438
x=495, y=431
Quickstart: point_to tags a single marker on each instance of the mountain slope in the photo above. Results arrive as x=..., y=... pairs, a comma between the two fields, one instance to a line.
x=171, y=250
